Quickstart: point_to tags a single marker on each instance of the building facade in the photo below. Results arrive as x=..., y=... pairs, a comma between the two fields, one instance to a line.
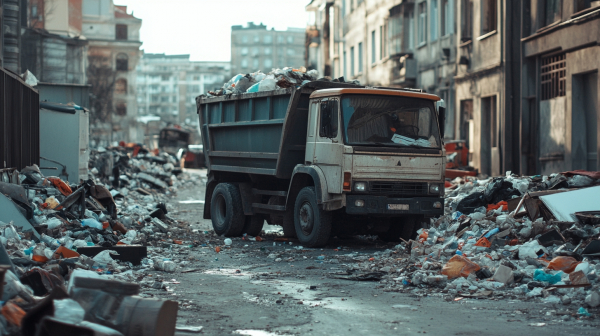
x=167, y=85
x=52, y=45
x=560, y=64
x=396, y=43
x=254, y=47
x=113, y=54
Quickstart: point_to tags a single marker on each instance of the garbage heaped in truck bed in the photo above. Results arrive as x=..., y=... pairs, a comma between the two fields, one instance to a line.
x=277, y=79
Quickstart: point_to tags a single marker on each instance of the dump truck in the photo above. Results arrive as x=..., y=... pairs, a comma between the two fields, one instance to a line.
x=323, y=159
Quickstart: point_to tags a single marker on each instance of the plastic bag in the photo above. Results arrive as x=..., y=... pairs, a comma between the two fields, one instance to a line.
x=104, y=257
x=92, y=223
x=13, y=313
x=565, y=264
x=53, y=223
x=459, y=266
x=580, y=181
x=52, y=202
x=11, y=232
x=531, y=249
x=540, y=275
x=68, y=310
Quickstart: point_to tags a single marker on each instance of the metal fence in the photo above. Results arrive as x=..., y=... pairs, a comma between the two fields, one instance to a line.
x=19, y=122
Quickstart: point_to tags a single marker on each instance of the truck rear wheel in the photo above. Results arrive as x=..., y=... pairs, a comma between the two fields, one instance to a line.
x=226, y=211
x=254, y=225
x=313, y=224
x=404, y=228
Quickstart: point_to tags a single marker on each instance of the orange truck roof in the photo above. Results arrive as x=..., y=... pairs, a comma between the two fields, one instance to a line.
x=384, y=92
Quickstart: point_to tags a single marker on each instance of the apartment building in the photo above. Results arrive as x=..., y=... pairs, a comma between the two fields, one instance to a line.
x=254, y=47
x=167, y=85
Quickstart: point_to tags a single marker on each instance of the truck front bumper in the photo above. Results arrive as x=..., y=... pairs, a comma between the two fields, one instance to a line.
x=384, y=205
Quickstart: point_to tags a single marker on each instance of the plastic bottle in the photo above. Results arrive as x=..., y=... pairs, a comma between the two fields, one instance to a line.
x=228, y=241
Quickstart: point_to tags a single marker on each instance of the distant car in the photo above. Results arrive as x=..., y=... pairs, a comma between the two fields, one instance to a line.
x=192, y=157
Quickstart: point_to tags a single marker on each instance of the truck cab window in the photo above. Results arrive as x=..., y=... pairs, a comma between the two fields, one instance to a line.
x=389, y=121
x=329, y=119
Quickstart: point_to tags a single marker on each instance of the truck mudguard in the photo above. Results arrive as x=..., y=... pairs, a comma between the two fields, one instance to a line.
x=298, y=182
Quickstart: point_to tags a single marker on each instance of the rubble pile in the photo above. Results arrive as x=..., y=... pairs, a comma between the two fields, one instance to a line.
x=504, y=237
x=53, y=232
x=277, y=79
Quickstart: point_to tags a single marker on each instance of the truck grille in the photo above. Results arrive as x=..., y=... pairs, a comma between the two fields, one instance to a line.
x=399, y=188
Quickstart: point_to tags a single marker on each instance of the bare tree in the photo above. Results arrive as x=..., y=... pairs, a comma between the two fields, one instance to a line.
x=102, y=78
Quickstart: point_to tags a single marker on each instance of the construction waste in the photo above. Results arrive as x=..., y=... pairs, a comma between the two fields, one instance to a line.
x=69, y=249
x=531, y=238
x=277, y=79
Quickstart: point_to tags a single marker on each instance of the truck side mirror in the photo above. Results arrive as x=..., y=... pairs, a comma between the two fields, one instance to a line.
x=329, y=119
x=442, y=120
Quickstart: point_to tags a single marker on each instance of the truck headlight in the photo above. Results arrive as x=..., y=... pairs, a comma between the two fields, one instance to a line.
x=434, y=189
x=360, y=186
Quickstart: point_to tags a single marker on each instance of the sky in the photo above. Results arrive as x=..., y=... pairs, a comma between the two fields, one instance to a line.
x=202, y=28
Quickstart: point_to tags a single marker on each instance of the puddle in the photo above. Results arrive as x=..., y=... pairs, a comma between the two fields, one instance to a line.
x=251, y=332
x=192, y=202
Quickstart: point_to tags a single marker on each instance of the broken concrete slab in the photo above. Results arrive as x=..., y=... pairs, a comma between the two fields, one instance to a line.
x=564, y=205
x=164, y=228
x=504, y=275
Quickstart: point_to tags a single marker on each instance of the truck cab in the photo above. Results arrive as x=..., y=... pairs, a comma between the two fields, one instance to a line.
x=347, y=158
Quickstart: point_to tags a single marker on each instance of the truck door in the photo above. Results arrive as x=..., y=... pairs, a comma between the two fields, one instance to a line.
x=313, y=113
x=328, y=152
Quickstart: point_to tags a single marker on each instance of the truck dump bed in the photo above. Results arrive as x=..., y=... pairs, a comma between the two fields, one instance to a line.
x=258, y=133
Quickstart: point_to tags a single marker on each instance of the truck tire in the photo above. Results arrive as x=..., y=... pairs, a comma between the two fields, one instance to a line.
x=313, y=224
x=404, y=228
x=289, y=228
x=254, y=225
x=226, y=210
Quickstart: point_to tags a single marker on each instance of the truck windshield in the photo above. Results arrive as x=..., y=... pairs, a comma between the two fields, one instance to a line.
x=389, y=121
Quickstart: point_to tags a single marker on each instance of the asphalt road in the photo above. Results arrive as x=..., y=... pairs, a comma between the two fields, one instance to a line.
x=256, y=288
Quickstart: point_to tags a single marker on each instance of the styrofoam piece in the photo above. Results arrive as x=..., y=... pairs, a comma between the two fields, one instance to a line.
x=564, y=205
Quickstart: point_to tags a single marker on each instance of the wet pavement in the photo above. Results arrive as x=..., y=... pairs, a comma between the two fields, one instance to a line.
x=277, y=288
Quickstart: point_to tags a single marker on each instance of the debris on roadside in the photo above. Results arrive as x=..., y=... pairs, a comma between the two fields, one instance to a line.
x=511, y=237
x=81, y=246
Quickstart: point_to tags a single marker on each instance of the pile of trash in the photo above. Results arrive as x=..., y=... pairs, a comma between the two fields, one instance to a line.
x=99, y=230
x=505, y=237
x=277, y=79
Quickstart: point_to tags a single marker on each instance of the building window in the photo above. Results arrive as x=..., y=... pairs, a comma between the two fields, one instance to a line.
x=290, y=39
x=165, y=77
x=268, y=63
x=256, y=39
x=447, y=17
x=268, y=39
x=244, y=63
x=466, y=22
x=395, y=31
x=434, y=20
x=345, y=65
x=381, y=39
x=121, y=32
x=255, y=63
x=553, y=77
x=373, y=49
x=360, y=57
x=244, y=51
x=255, y=51
x=551, y=11
x=352, y=61
x=122, y=62
x=121, y=109
x=290, y=51
x=488, y=16
x=244, y=39
x=268, y=51
x=121, y=86
x=422, y=23
x=280, y=39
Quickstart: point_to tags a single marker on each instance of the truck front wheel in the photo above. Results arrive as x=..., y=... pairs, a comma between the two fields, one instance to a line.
x=226, y=210
x=313, y=224
x=254, y=225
